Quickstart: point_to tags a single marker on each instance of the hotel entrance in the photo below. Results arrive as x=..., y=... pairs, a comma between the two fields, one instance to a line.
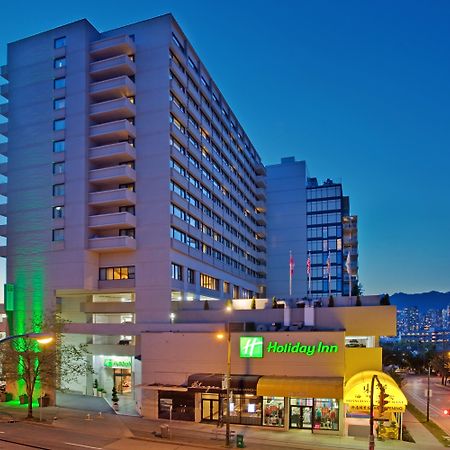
x=301, y=413
x=210, y=407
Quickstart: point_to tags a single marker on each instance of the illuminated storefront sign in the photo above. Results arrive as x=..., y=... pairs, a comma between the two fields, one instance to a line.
x=117, y=362
x=253, y=347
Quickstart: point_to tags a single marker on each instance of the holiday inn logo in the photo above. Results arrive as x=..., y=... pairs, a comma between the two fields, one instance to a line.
x=251, y=347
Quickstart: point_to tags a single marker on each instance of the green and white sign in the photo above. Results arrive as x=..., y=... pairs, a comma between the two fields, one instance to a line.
x=117, y=362
x=251, y=347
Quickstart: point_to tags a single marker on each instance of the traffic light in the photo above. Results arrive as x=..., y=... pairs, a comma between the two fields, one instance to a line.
x=384, y=400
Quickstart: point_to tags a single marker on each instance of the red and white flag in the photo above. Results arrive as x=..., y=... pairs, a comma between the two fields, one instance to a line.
x=308, y=264
x=291, y=264
x=328, y=264
x=348, y=263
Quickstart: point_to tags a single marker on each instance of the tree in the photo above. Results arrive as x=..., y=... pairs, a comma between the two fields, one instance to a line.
x=25, y=360
x=357, y=289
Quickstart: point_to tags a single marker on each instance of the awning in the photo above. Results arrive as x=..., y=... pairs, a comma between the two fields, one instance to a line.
x=212, y=382
x=357, y=392
x=302, y=387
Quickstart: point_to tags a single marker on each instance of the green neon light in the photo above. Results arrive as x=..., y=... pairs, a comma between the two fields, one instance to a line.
x=298, y=347
x=251, y=347
x=117, y=362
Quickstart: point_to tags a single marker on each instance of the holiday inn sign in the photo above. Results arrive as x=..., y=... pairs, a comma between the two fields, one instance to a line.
x=253, y=347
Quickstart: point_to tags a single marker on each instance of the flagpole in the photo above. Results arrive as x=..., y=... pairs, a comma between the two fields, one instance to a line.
x=308, y=263
x=290, y=273
x=329, y=274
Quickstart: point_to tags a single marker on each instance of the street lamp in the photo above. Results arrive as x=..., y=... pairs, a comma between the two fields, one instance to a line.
x=227, y=377
x=41, y=338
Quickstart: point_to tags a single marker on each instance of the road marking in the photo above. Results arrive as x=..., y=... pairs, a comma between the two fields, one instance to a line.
x=82, y=445
x=2, y=432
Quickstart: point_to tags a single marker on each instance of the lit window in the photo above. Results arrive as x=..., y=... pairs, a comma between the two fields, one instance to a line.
x=59, y=124
x=209, y=282
x=58, y=234
x=116, y=273
x=59, y=103
x=58, y=168
x=59, y=146
x=58, y=212
x=59, y=83
x=60, y=42
x=177, y=272
x=58, y=63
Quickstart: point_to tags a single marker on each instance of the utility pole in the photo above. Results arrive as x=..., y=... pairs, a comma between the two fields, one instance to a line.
x=428, y=393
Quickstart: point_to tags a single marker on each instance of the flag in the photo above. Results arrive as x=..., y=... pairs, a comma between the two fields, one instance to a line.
x=291, y=264
x=308, y=265
x=329, y=264
x=347, y=263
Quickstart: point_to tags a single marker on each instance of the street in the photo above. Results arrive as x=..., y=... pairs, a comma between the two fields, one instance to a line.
x=415, y=390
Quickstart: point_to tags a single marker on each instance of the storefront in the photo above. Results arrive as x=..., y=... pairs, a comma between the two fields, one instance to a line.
x=114, y=371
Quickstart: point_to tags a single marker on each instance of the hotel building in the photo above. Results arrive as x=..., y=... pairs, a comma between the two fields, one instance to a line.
x=136, y=202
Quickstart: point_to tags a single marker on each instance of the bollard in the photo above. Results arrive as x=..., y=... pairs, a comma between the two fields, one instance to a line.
x=100, y=415
x=88, y=417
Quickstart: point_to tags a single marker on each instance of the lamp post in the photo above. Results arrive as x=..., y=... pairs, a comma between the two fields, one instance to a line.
x=371, y=435
x=42, y=338
x=428, y=393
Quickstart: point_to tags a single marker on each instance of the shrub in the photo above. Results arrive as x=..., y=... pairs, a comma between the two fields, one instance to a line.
x=206, y=305
x=274, y=303
x=253, y=305
x=358, y=301
x=385, y=300
x=330, y=301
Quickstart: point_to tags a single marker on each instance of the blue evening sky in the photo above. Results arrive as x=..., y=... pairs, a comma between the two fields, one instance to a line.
x=359, y=89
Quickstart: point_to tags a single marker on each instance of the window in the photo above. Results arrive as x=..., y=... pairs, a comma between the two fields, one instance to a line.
x=60, y=42
x=191, y=276
x=59, y=103
x=58, y=189
x=58, y=234
x=58, y=212
x=129, y=209
x=209, y=282
x=129, y=186
x=59, y=83
x=59, y=124
x=116, y=273
x=177, y=272
x=58, y=168
x=58, y=63
x=326, y=414
x=130, y=232
x=59, y=146
x=226, y=287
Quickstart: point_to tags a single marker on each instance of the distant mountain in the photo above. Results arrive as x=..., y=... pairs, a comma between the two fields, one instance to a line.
x=423, y=301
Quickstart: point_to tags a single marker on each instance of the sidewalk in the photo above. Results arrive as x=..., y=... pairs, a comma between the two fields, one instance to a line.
x=139, y=433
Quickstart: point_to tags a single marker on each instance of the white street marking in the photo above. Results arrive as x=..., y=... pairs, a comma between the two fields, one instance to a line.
x=82, y=445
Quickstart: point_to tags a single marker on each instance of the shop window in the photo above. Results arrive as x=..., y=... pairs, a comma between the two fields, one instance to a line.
x=326, y=414
x=273, y=411
x=244, y=409
x=176, y=406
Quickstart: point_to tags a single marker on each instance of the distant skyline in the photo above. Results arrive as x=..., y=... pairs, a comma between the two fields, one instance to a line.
x=358, y=89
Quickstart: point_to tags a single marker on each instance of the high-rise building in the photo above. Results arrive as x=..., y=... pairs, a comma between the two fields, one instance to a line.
x=131, y=183
x=310, y=220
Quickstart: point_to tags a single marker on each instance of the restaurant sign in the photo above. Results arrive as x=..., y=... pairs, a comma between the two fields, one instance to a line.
x=253, y=347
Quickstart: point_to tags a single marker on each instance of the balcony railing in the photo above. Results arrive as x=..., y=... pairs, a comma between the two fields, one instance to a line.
x=113, y=46
x=112, y=220
x=114, y=88
x=112, y=244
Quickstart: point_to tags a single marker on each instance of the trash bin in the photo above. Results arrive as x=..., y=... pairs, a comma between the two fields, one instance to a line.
x=165, y=431
x=240, y=441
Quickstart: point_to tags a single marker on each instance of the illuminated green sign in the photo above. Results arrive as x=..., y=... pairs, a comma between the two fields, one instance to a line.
x=118, y=362
x=253, y=347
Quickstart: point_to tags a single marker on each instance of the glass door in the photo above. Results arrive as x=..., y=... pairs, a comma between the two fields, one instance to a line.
x=210, y=408
x=301, y=417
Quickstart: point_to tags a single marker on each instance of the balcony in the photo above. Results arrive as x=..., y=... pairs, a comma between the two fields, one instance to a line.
x=113, y=197
x=260, y=218
x=260, y=205
x=4, y=109
x=260, y=181
x=113, y=46
x=114, y=88
x=112, y=220
x=112, y=244
x=119, y=152
x=116, y=174
x=4, y=128
x=108, y=307
x=4, y=90
x=3, y=209
x=4, y=189
x=260, y=169
x=4, y=72
x=4, y=148
x=119, y=130
x=119, y=108
x=112, y=67
x=3, y=230
x=110, y=349
x=3, y=250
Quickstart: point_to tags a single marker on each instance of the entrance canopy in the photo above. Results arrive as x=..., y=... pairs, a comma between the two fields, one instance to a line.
x=357, y=392
x=302, y=387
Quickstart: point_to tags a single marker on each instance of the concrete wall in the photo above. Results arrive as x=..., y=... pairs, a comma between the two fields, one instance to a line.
x=286, y=227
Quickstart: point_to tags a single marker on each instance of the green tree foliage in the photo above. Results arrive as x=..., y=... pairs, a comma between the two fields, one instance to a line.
x=25, y=360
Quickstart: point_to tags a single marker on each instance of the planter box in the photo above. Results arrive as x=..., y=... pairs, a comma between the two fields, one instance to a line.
x=44, y=401
x=5, y=396
x=23, y=399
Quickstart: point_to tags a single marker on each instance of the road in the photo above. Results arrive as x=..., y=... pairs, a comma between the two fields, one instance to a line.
x=415, y=390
